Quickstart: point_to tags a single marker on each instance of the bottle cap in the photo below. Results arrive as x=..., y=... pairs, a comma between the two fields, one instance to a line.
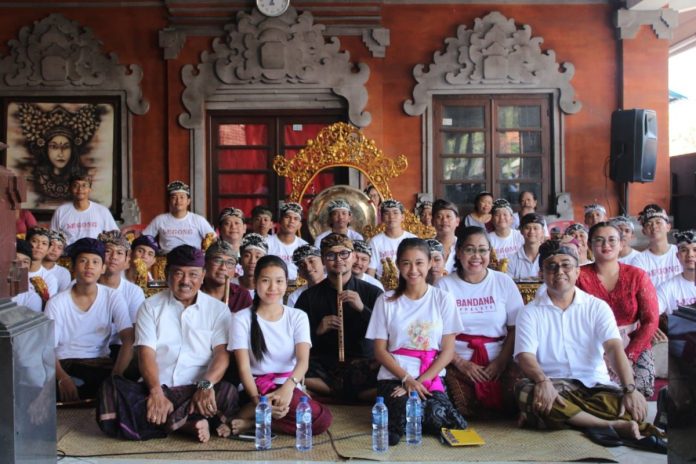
x=414, y=394
x=263, y=399
x=304, y=399
x=379, y=399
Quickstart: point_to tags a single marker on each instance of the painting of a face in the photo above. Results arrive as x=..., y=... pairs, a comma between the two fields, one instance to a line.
x=59, y=153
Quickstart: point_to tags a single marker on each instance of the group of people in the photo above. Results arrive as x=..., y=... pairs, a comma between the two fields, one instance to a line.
x=454, y=330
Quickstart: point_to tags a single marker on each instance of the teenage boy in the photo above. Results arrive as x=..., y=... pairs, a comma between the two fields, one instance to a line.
x=384, y=244
x=286, y=241
x=50, y=262
x=446, y=221
x=659, y=260
x=83, y=318
x=504, y=239
x=220, y=267
x=253, y=248
x=363, y=256
x=144, y=248
x=307, y=258
x=340, y=217
x=81, y=217
x=627, y=253
x=30, y=298
x=525, y=263
x=680, y=289
x=262, y=220
x=594, y=214
x=179, y=226
x=41, y=280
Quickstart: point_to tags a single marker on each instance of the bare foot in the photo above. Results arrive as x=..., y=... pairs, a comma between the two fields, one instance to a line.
x=626, y=429
x=241, y=425
x=223, y=431
x=199, y=429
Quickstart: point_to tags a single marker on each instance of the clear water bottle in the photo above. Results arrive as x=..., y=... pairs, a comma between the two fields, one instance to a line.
x=380, y=426
x=263, y=424
x=303, y=420
x=414, y=417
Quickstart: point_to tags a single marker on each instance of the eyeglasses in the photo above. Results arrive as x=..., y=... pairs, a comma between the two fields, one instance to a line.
x=331, y=256
x=612, y=241
x=230, y=263
x=554, y=267
x=471, y=251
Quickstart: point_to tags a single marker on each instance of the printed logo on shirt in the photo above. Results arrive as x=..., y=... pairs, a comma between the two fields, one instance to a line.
x=506, y=250
x=80, y=225
x=178, y=231
x=419, y=334
x=484, y=304
x=387, y=254
x=686, y=301
x=661, y=271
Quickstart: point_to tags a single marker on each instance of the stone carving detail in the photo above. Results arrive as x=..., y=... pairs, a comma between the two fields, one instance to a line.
x=172, y=41
x=286, y=54
x=663, y=22
x=59, y=54
x=376, y=40
x=130, y=211
x=495, y=54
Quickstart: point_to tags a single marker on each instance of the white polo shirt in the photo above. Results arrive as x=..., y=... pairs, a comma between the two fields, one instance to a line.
x=568, y=343
x=183, y=338
x=520, y=267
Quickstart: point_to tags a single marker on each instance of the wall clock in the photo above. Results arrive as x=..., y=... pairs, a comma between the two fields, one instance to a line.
x=272, y=7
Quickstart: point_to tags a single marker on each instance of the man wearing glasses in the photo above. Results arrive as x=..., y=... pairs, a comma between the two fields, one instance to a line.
x=221, y=263
x=562, y=339
x=357, y=377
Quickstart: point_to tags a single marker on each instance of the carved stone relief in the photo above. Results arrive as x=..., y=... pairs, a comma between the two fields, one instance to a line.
x=57, y=56
x=495, y=54
x=286, y=57
x=663, y=22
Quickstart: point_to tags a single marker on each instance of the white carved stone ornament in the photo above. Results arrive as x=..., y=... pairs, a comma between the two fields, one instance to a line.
x=59, y=54
x=494, y=55
x=663, y=22
x=277, y=55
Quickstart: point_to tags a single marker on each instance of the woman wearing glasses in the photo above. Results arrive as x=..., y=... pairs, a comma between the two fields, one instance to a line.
x=631, y=296
x=482, y=374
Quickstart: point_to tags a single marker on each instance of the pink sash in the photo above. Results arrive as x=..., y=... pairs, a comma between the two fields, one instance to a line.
x=426, y=360
x=265, y=383
x=489, y=393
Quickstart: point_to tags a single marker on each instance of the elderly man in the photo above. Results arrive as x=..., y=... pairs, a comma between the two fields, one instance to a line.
x=358, y=376
x=181, y=337
x=562, y=339
x=179, y=226
x=220, y=268
x=340, y=216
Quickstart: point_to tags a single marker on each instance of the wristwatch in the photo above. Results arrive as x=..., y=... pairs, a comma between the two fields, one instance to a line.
x=204, y=384
x=295, y=380
x=630, y=388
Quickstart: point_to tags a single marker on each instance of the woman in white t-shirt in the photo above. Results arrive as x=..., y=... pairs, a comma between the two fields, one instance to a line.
x=482, y=374
x=271, y=345
x=414, y=328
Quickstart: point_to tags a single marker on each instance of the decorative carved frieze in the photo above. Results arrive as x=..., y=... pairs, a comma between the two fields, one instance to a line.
x=496, y=54
x=59, y=54
x=376, y=40
x=286, y=56
x=663, y=22
x=172, y=40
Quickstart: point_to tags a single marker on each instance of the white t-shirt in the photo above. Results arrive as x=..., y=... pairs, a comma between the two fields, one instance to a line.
x=353, y=235
x=284, y=252
x=414, y=325
x=62, y=276
x=86, y=334
x=520, y=267
x=486, y=308
x=172, y=232
x=385, y=247
x=675, y=292
x=568, y=343
x=30, y=299
x=183, y=338
x=281, y=336
x=508, y=246
x=371, y=280
x=449, y=264
x=293, y=297
x=133, y=296
x=629, y=258
x=659, y=268
x=51, y=281
x=79, y=224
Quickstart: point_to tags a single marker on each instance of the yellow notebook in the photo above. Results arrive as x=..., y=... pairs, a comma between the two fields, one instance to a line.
x=457, y=437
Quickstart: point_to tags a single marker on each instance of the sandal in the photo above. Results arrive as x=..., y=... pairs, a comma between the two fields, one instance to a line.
x=652, y=444
x=604, y=436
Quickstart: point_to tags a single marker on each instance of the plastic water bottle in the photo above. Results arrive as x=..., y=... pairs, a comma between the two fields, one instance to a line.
x=414, y=416
x=303, y=420
x=380, y=426
x=263, y=424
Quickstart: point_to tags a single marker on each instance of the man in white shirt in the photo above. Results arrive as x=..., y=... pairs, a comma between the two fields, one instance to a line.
x=286, y=241
x=504, y=239
x=561, y=342
x=179, y=226
x=659, y=260
x=310, y=267
x=524, y=265
x=82, y=217
x=384, y=245
x=39, y=278
x=50, y=262
x=363, y=256
x=340, y=216
x=181, y=337
x=680, y=289
x=30, y=298
x=594, y=214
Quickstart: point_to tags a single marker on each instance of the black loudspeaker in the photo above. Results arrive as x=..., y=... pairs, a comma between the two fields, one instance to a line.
x=633, y=146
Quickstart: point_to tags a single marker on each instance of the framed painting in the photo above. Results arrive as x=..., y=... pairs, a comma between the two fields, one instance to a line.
x=51, y=140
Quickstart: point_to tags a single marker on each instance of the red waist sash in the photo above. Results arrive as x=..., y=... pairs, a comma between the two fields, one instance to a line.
x=426, y=360
x=489, y=393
